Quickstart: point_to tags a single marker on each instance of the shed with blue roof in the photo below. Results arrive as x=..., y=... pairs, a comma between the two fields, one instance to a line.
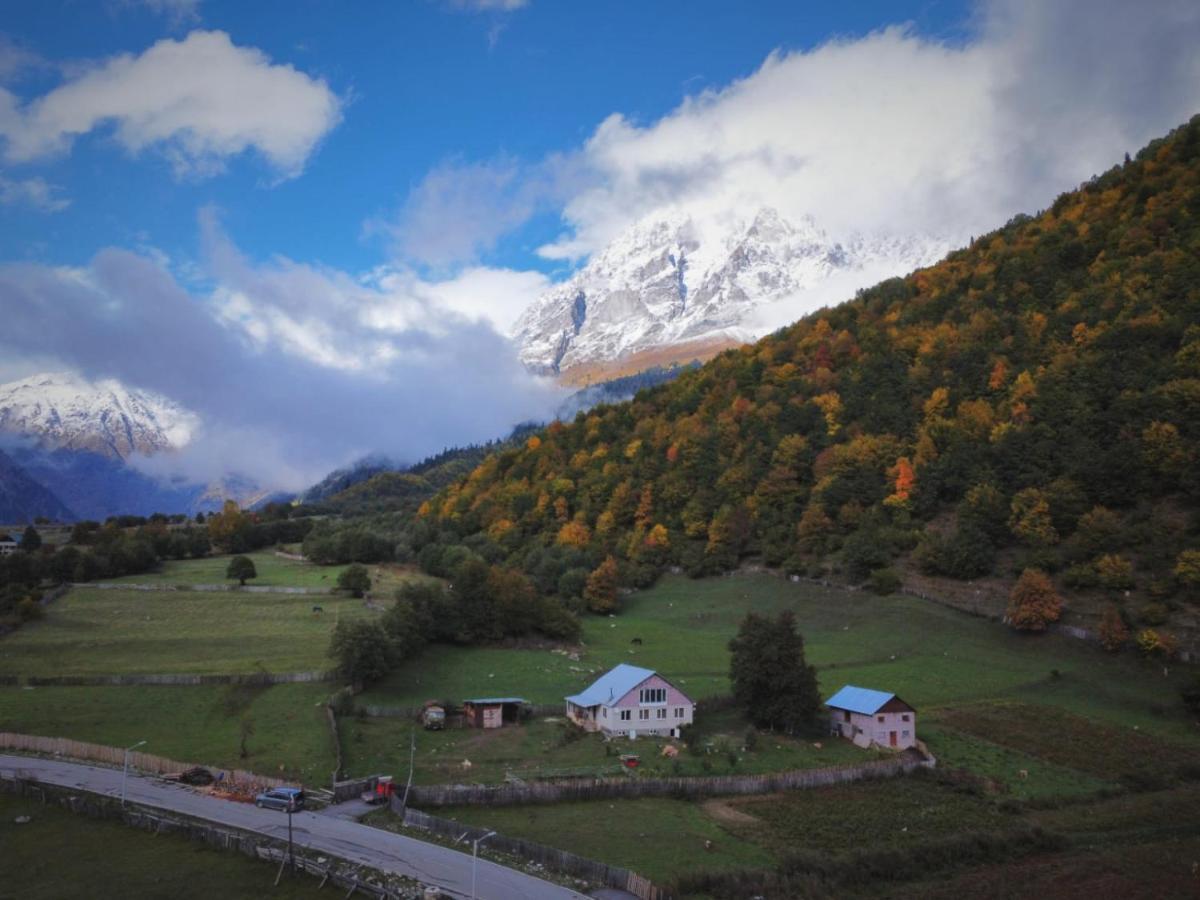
x=869, y=717
x=631, y=701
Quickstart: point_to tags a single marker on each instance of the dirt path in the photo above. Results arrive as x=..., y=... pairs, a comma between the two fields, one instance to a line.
x=722, y=811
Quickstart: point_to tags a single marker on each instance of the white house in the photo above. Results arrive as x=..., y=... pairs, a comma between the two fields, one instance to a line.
x=629, y=700
x=7, y=545
x=872, y=717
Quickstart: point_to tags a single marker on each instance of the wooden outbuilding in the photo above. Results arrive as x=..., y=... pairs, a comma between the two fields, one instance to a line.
x=492, y=712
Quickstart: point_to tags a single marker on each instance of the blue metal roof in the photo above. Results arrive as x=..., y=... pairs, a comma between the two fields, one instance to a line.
x=611, y=686
x=859, y=700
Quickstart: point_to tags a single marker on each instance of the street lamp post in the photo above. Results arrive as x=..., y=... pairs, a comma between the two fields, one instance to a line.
x=125, y=770
x=291, y=856
x=474, y=857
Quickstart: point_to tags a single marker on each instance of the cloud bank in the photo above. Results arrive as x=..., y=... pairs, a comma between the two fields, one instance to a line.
x=198, y=101
x=293, y=369
x=893, y=132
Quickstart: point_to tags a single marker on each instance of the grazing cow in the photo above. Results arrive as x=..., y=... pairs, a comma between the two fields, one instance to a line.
x=637, y=642
x=318, y=609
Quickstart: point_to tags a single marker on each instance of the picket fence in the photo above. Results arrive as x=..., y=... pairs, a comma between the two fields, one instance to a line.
x=682, y=787
x=548, y=857
x=143, y=762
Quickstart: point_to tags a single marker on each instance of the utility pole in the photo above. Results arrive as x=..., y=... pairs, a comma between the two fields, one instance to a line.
x=474, y=858
x=412, y=756
x=125, y=770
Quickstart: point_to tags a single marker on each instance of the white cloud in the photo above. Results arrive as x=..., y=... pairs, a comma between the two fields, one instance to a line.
x=293, y=369
x=35, y=193
x=199, y=101
x=891, y=132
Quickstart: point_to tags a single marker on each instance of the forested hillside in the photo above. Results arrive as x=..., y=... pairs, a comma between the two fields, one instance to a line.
x=1032, y=401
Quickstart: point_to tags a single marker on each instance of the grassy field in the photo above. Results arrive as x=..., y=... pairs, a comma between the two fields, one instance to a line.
x=59, y=854
x=656, y=838
x=273, y=571
x=552, y=748
x=190, y=724
x=930, y=655
x=104, y=632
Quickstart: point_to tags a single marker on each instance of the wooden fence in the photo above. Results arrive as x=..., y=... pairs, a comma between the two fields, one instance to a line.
x=374, y=711
x=688, y=787
x=143, y=762
x=180, y=679
x=205, y=588
x=550, y=857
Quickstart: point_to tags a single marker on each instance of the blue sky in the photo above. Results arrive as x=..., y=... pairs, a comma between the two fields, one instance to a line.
x=421, y=83
x=314, y=223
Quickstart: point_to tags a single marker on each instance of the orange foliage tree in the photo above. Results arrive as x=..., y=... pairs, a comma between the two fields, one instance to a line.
x=1033, y=603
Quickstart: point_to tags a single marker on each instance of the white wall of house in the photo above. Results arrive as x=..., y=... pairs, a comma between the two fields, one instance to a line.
x=897, y=730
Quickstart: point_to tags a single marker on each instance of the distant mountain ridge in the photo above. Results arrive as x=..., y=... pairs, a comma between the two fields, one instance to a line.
x=77, y=439
x=23, y=499
x=661, y=285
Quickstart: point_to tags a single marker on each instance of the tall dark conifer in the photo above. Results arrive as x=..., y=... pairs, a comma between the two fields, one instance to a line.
x=771, y=679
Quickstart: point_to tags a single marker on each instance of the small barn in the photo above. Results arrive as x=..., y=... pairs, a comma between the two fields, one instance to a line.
x=492, y=712
x=868, y=717
x=7, y=545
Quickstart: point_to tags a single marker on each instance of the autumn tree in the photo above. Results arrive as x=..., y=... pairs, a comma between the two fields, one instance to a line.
x=1033, y=603
x=600, y=594
x=1113, y=630
x=226, y=529
x=1187, y=569
x=1030, y=519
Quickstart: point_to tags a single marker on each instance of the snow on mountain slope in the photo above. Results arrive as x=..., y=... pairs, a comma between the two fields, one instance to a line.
x=663, y=283
x=65, y=411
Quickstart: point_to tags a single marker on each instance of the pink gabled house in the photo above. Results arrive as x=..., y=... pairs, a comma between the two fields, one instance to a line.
x=631, y=701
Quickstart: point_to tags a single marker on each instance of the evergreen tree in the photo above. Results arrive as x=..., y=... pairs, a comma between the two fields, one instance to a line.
x=30, y=539
x=771, y=679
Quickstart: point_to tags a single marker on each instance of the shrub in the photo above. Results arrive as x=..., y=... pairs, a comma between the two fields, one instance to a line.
x=1033, y=603
x=1115, y=572
x=1113, y=630
x=884, y=581
x=1153, y=614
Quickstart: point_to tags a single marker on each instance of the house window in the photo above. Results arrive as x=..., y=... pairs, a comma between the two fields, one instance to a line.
x=643, y=714
x=881, y=718
x=652, y=695
x=679, y=712
x=905, y=733
x=662, y=713
x=604, y=711
x=904, y=718
x=624, y=715
x=846, y=716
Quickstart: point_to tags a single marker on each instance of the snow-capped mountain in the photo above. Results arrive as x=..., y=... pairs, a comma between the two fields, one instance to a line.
x=77, y=439
x=663, y=283
x=65, y=411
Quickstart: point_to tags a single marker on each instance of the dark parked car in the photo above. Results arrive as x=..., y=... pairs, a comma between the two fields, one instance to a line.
x=281, y=798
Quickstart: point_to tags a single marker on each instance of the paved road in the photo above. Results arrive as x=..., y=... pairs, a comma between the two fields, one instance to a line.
x=428, y=863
